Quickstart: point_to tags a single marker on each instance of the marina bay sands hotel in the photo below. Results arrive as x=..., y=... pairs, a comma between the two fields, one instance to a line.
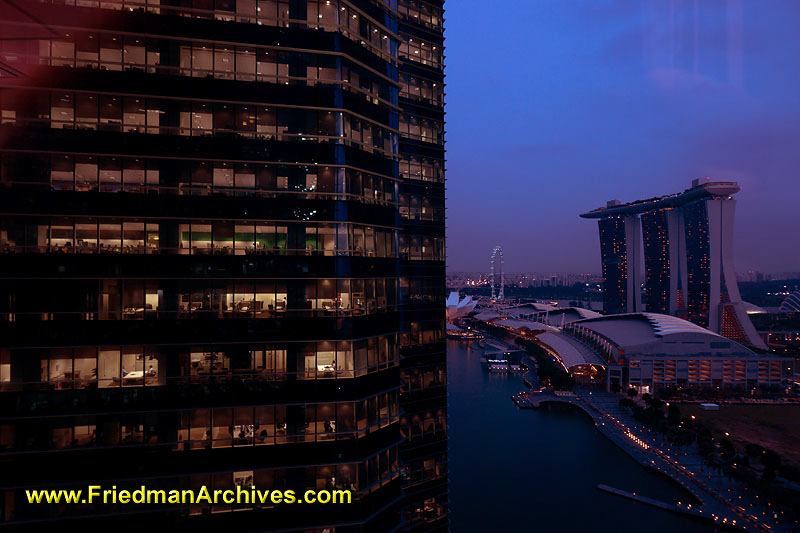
x=680, y=248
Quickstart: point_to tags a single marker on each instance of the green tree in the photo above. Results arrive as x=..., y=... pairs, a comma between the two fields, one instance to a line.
x=753, y=450
x=726, y=449
x=674, y=414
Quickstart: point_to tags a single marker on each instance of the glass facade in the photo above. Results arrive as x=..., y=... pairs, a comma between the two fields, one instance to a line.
x=655, y=231
x=698, y=262
x=614, y=256
x=222, y=243
x=423, y=398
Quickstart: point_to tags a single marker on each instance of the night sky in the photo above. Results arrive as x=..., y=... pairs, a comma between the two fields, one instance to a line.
x=556, y=106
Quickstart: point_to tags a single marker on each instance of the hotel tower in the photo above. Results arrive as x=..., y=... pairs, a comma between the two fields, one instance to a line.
x=687, y=248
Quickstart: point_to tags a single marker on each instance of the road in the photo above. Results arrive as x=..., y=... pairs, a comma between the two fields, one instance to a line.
x=724, y=500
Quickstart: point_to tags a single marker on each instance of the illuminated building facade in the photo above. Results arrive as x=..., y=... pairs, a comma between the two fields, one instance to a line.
x=423, y=353
x=664, y=279
x=620, y=248
x=688, y=257
x=652, y=351
x=222, y=242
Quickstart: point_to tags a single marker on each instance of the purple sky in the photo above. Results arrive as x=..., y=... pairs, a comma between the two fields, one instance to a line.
x=556, y=106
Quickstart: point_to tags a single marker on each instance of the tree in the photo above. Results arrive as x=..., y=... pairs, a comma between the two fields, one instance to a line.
x=674, y=414
x=632, y=392
x=770, y=459
x=655, y=403
x=726, y=449
x=753, y=450
x=771, y=462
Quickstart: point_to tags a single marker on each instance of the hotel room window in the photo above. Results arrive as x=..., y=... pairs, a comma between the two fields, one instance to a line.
x=265, y=302
x=274, y=363
x=245, y=121
x=345, y=420
x=357, y=296
x=134, y=116
x=155, y=368
x=201, y=238
x=243, y=427
x=132, y=428
x=110, y=113
x=306, y=361
x=110, y=52
x=133, y=301
x=86, y=111
x=62, y=234
x=155, y=108
x=200, y=428
x=222, y=236
x=245, y=64
x=360, y=357
x=57, y=368
x=224, y=120
x=266, y=65
x=84, y=371
x=62, y=110
x=5, y=373
x=369, y=286
x=344, y=359
x=133, y=174
x=264, y=425
x=85, y=432
x=61, y=437
x=62, y=54
x=202, y=60
x=86, y=235
x=62, y=172
x=108, y=367
x=327, y=365
x=109, y=300
x=134, y=53
x=204, y=120
x=222, y=428
x=85, y=173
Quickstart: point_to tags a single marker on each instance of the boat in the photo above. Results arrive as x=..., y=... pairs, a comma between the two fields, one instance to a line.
x=454, y=332
x=501, y=358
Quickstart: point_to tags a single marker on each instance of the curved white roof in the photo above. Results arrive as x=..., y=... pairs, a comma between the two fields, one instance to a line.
x=668, y=325
x=570, y=351
x=653, y=333
x=791, y=304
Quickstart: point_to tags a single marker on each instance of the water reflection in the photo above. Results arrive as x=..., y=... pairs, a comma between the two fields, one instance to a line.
x=537, y=470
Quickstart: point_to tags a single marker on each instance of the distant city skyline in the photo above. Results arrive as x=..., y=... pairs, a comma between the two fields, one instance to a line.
x=578, y=103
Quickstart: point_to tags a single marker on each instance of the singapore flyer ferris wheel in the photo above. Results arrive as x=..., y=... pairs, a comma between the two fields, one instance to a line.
x=496, y=273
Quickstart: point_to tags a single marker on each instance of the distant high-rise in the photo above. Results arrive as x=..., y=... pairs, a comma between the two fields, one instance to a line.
x=688, y=258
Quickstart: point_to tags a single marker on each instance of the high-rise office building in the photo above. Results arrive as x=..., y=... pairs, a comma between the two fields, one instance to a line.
x=688, y=257
x=222, y=238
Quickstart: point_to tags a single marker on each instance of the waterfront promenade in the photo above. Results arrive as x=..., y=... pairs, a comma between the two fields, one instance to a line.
x=718, y=499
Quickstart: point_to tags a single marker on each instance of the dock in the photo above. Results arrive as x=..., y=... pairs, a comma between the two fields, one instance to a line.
x=708, y=504
x=686, y=509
